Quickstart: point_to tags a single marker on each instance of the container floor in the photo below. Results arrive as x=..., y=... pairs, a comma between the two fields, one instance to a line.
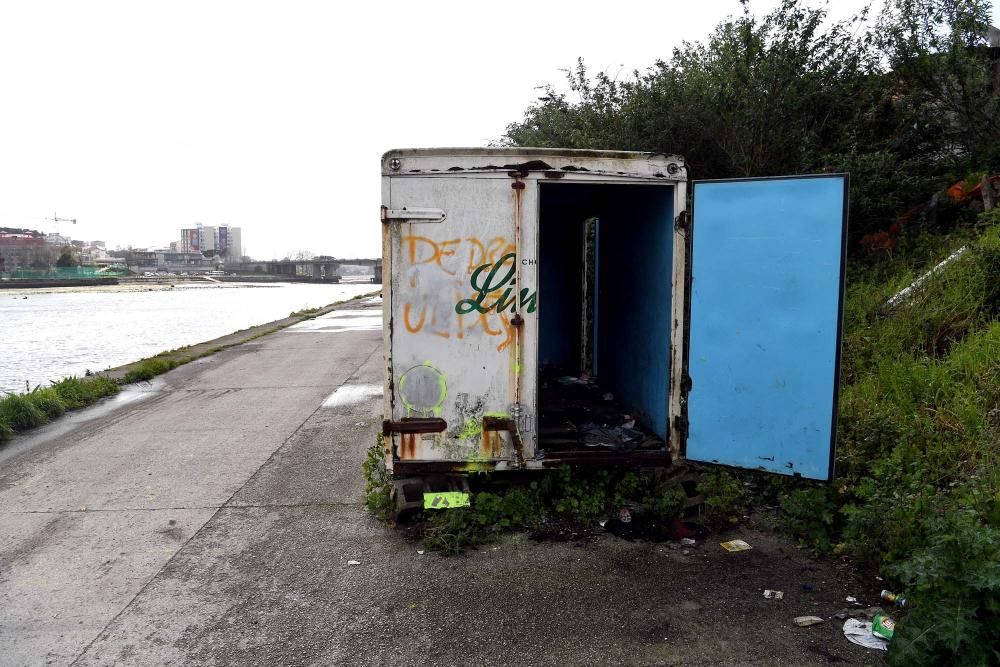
x=576, y=414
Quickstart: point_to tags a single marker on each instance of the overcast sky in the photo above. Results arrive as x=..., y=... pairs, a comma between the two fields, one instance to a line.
x=139, y=118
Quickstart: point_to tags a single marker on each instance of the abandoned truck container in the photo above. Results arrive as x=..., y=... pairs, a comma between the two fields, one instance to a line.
x=548, y=306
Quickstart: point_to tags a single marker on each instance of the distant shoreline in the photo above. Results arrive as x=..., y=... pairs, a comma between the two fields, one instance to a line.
x=165, y=284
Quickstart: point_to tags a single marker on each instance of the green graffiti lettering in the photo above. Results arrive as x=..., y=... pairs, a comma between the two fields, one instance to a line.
x=492, y=282
x=528, y=301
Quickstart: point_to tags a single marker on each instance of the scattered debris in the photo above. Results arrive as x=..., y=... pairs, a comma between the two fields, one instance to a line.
x=735, y=545
x=852, y=599
x=883, y=626
x=806, y=621
x=354, y=562
x=868, y=613
x=420, y=552
x=774, y=595
x=624, y=515
x=889, y=596
x=860, y=633
x=688, y=541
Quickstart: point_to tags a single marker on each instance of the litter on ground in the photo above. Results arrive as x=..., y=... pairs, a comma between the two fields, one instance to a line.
x=860, y=633
x=806, y=621
x=735, y=545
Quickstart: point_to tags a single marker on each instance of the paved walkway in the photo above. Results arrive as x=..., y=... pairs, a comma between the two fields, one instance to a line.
x=209, y=518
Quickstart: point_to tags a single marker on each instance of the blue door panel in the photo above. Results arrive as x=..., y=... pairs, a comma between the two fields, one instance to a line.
x=766, y=307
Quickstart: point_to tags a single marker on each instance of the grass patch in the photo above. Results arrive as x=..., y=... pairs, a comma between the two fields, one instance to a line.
x=20, y=412
x=305, y=312
x=77, y=393
x=147, y=369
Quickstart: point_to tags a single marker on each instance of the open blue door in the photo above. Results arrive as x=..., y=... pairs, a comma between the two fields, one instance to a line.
x=767, y=294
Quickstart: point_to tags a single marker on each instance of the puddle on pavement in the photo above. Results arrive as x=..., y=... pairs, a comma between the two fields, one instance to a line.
x=341, y=320
x=350, y=394
x=130, y=394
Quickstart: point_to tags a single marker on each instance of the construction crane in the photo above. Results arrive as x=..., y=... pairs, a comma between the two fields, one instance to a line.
x=56, y=220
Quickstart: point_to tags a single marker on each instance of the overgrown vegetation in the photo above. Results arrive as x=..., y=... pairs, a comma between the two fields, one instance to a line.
x=907, y=102
x=20, y=412
x=564, y=497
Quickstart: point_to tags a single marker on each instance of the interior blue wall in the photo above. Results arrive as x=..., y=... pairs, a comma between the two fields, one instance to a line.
x=635, y=240
x=560, y=281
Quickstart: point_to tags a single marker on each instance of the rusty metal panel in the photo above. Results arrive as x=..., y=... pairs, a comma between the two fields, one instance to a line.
x=454, y=343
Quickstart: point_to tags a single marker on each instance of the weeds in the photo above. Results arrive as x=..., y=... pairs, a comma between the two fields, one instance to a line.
x=20, y=412
x=918, y=433
x=378, y=481
x=563, y=495
x=147, y=369
x=723, y=494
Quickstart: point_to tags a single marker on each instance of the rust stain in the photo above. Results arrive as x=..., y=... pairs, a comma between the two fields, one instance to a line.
x=408, y=445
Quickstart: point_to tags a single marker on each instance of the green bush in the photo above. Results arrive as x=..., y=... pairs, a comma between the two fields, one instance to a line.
x=515, y=508
x=810, y=514
x=723, y=494
x=952, y=587
x=581, y=497
x=665, y=500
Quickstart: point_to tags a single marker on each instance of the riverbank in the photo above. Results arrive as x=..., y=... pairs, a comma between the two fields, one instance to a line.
x=21, y=412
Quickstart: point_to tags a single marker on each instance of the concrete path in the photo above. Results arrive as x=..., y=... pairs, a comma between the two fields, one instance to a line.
x=209, y=520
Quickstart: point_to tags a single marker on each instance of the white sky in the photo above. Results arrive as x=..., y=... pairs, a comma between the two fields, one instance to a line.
x=139, y=118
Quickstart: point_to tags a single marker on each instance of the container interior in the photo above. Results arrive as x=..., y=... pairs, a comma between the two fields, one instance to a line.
x=605, y=265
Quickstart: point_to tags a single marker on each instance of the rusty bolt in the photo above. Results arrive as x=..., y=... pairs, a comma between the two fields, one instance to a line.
x=517, y=320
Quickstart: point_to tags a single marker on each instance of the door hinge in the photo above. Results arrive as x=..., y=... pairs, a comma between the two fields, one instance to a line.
x=412, y=215
x=414, y=425
x=682, y=221
x=681, y=425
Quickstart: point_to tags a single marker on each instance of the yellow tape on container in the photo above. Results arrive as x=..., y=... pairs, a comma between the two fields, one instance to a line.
x=443, y=500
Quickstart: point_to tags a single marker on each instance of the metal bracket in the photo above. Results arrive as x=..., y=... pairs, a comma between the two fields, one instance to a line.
x=681, y=424
x=414, y=425
x=509, y=425
x=682, y=221
x=412, y=215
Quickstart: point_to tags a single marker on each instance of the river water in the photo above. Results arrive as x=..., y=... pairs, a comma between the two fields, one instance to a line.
x=53, y=333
